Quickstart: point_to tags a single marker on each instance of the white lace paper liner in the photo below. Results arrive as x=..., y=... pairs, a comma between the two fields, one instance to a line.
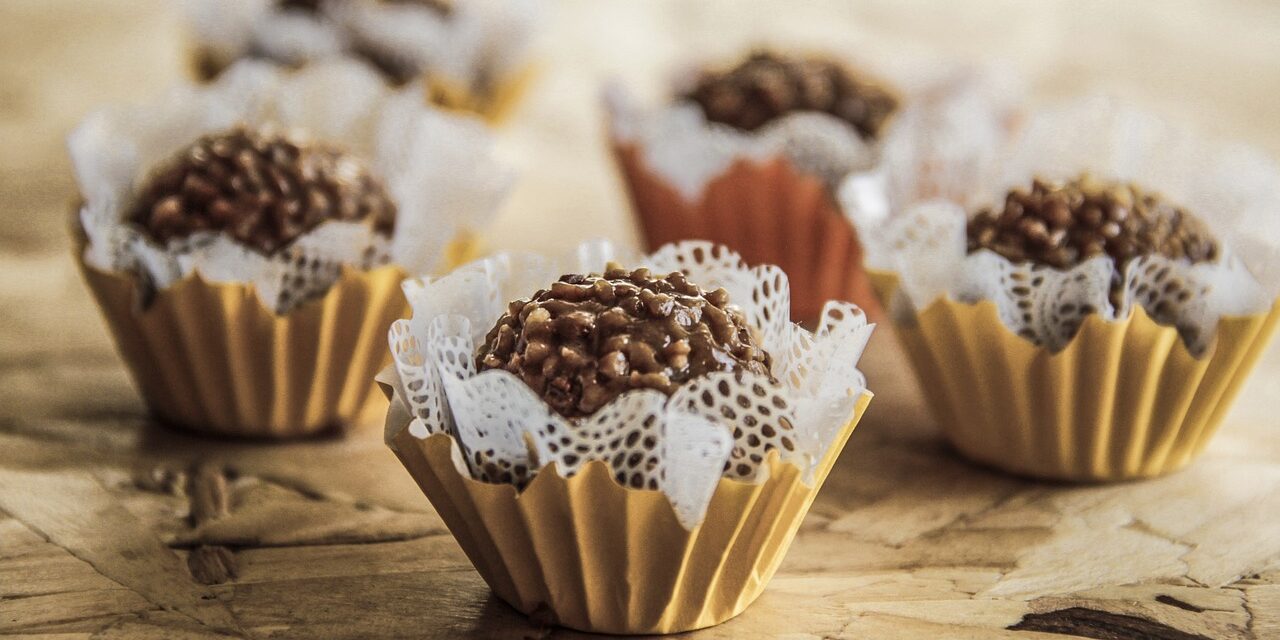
x=477, y=41
x=1236, y=191
x=680, y=145
x=680, y=445
x=945, y=141
x=440, y=169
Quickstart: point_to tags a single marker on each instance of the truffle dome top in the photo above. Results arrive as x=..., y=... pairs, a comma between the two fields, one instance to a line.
x=588, y=338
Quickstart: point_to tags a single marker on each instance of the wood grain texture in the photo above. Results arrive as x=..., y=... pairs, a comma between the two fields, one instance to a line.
x=113, y=527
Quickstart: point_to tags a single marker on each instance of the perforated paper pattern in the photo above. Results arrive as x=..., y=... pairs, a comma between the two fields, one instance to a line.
x=1234, y=190
x=723, y=424
x=439, y=168
x=683, y=147
x=947, y=109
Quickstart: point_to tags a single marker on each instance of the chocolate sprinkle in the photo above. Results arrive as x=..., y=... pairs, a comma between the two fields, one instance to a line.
x=767, y=86
x=1061, y=224
x=589, y=338
x=262, y=188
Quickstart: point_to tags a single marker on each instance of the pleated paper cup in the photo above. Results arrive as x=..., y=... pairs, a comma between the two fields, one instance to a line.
x=208, y=357
x=1124, y=400
x=586, y=553
x=770, y=213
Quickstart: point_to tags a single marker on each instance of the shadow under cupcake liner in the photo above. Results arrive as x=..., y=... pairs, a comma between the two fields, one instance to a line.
x=587, y=553
x=770, y=213
x=1124, y=400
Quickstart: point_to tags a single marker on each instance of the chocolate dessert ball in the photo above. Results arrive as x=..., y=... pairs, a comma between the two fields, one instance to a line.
x=1061, y=224
x=767, y=86
x=589, y=338
x=262, y=188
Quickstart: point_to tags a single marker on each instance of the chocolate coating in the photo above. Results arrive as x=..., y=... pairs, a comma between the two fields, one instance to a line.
x=262, y=188
x=767, y=86
x=589, y=338
x=1062, y=224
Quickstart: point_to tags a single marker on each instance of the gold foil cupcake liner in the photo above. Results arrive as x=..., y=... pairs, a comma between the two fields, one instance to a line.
x=1123, y=400
x=770, y=213
x=466, y=246
x=585, y=552
x=210, y=358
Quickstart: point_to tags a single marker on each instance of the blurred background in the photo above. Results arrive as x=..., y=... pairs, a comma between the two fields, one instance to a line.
x=1213, y=66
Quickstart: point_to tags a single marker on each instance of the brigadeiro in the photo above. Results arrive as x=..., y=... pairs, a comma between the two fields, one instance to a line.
x=1062, y=224
x=750, y=154
x=768, y=85
x=264, y=188
x=667, y=412
x=588, y=338
x=1091, y=312
x=246, y=248
x=471, y=55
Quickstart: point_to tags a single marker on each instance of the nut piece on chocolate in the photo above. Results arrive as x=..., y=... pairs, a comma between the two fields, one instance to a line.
x=262, y=188
x=1064, y=224
x=768, y=85
x=589, y=338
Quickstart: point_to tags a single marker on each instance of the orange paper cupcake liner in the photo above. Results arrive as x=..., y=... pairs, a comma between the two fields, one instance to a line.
x=1123, y=400
x=210, y=358
x=770, y=213
x=586, y=553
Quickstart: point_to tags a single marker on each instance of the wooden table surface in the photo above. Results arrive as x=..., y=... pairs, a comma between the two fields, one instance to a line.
x=113, y=527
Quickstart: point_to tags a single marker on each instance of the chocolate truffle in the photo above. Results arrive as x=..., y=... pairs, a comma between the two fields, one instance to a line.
x=589, y=338
x=262, y=188
x=767, y=86
x=1062, y=224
